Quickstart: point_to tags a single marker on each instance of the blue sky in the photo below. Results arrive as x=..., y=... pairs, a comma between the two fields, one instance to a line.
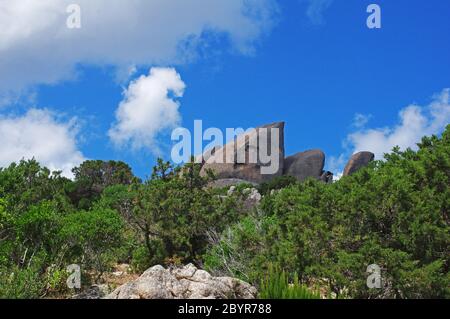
x=339, y=86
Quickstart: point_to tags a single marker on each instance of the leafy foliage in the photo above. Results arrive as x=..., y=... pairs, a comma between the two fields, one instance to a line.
x=89, y=235
x=393, y=213
x=173, y=212
x=277, y=183
x=92, y=177
x=276, y=285
x=20, y=283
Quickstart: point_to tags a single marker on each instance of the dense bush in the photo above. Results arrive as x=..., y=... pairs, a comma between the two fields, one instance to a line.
x=276, y=285
x=174, y=211
x=92, y=177
x=393, y=213
x=90, y=237
x=277, y=183
x=42, y=232
x=21, y=283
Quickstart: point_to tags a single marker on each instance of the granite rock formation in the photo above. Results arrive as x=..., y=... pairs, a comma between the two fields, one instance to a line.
x=230, y=169
x=304, y=165
x=183, y=283
x=226, y=163
x=357, y=161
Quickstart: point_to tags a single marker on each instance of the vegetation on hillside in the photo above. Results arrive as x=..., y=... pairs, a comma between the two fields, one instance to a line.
x=393, y=213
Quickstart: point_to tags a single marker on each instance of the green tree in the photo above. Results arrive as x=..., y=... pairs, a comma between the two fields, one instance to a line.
x=174, y=210
x=92, y=177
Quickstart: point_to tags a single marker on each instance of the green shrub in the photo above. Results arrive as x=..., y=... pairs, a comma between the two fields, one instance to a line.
x=142, y=260
x=279, y=182
x=91, y=236
x=239, y=250
x=5, y=218
x=242, y=186
x=21, y=283
x=38, y=226
x=393, y=213
x=55, y=280
x=276, y=285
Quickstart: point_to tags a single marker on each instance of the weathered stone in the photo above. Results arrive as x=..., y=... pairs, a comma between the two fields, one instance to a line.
x=227, y=164
x=183, y=283
x=358, y=161
x=305, y=164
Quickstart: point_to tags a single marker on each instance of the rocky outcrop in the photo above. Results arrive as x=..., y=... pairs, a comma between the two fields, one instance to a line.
x=304, y=165
x=183, y=283
x=357, y=161
x=226, y=163
x=230, y=168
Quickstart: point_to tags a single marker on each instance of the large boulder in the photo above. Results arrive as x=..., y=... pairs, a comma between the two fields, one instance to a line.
x=357, y=161
x=227, y=163
x=305, y=165
x=183, y=283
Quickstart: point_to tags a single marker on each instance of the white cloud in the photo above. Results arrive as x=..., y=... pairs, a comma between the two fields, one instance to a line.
x=149, y=108
x=38, y=134
x=36, y=47
x=415, y=122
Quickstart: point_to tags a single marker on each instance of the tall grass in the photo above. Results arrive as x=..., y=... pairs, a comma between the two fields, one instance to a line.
x=276, y=285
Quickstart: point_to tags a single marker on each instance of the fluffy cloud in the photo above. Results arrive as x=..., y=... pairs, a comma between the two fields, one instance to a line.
x=149, y=107
x=38, y=134
x=415, y=122
x=36, y=46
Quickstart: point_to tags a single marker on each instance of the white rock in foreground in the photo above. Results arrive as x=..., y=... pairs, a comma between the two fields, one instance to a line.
x=183, y=283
